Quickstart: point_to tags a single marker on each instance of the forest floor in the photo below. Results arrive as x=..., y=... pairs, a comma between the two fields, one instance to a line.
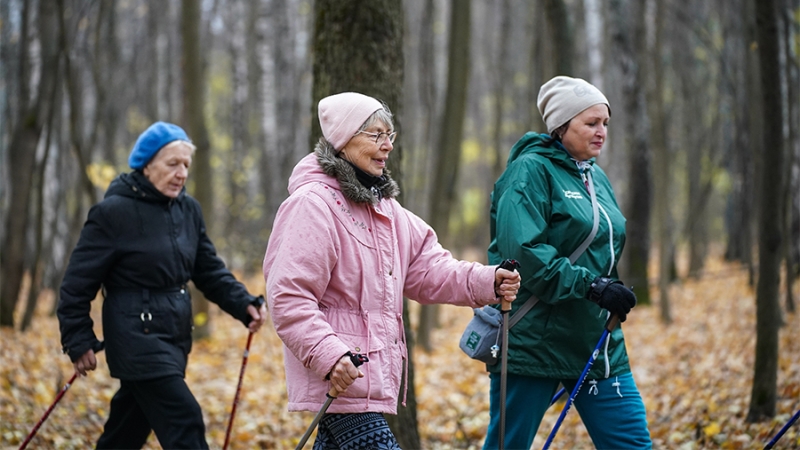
x=694, y=375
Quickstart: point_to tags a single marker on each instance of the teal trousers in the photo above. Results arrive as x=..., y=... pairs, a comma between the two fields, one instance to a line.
x=611, y=409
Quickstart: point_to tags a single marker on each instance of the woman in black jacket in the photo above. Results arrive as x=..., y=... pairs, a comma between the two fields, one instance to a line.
x=142, y=244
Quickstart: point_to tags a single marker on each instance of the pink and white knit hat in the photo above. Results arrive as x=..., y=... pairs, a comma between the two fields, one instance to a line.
x=341, y=115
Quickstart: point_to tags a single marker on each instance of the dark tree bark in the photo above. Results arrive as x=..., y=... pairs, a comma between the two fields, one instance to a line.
x=755, y=129
x=500, y=82
x=155, y=15
x=793, y=120
x=104, y=71
x=763, y=396
x=661, y=165
x=80, y=146
x=358, y=46
x=448, y=157
x=426, y=56
x=700, y=141
x=739, y=209
x=561, y=34
x=22, y=153
x=628, y=39
x=536, y=69
x=193, y=75
x=38, y=264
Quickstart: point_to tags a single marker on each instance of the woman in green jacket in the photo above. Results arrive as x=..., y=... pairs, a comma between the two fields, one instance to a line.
x=542, y=213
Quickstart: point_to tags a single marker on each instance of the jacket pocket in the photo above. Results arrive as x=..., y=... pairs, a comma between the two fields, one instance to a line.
x=377, y=372
x=351, y=328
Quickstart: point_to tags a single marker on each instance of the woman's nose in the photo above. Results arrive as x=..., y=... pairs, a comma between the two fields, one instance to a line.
x=387, y=145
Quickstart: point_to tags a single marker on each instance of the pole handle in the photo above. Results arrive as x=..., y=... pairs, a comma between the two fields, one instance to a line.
x=357, y=359
x=612, y=323
x=511, y=265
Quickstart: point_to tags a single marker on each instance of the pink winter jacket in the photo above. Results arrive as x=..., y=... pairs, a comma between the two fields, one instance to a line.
x=337, y=265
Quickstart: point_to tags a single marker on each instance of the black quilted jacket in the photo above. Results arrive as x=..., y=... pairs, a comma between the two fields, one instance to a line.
x=143, y=247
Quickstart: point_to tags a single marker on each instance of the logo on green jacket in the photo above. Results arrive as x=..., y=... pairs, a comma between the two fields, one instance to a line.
x=573, y=194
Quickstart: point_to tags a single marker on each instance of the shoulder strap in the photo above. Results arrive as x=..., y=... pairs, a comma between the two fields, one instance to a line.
x=572, y=258
x=517, y=316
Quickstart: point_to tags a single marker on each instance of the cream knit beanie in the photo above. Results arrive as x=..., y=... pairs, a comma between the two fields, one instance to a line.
x=341, y=115
x=563, y=98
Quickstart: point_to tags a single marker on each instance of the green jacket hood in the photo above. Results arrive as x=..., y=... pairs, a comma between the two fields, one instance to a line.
x=541, y=144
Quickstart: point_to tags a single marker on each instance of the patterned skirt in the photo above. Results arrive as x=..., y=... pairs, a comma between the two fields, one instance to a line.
x=355, y=432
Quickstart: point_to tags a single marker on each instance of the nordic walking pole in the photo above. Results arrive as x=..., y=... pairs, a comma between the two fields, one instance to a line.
x=505, y=309
x=357, y=360
x=47, y=413
x=557, y=396
x=98, y=347
x=783, y=430
x=238, y=389
x=610, y=325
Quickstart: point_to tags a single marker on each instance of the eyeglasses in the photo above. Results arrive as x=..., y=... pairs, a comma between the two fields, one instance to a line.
x=379, y=137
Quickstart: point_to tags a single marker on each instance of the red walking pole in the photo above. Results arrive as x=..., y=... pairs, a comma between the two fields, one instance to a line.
x=238, y=389
x=47, y=413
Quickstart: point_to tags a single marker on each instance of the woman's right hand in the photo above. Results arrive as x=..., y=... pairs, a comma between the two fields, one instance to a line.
x=344, y=373
x=85, y=363
x=506, y=284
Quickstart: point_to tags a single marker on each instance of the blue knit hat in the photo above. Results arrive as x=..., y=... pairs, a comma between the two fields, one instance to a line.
x=154, y=138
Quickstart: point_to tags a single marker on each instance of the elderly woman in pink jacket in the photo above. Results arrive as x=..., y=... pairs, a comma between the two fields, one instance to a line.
x=342, y=254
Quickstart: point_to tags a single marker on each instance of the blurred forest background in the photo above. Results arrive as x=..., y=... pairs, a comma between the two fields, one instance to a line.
x=703, y=148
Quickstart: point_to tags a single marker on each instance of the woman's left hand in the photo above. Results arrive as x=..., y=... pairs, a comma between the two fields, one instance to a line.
x=506, y=284
x=259, y=317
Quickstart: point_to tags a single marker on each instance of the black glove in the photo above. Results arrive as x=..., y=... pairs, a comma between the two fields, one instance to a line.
x=613, y=296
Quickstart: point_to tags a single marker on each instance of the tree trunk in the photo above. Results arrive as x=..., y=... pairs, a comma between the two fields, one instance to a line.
x=628, y=38
x=39, y=263
x=739, y=208
x=75, y=95
x=756, y=126
x=661, y=165
x=764, y=393
x=448, y=157
x=561, y=36
x=351, y=39
x=425, y=57
x=500, y=82
x=104, y=69
x=22, y=158
x=793, y=114
x=193, y=75
x=155, y=13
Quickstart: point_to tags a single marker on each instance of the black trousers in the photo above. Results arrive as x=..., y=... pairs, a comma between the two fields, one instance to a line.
x=164, y=405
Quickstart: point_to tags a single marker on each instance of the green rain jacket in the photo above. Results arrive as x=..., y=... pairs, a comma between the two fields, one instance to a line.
x=541, y=212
